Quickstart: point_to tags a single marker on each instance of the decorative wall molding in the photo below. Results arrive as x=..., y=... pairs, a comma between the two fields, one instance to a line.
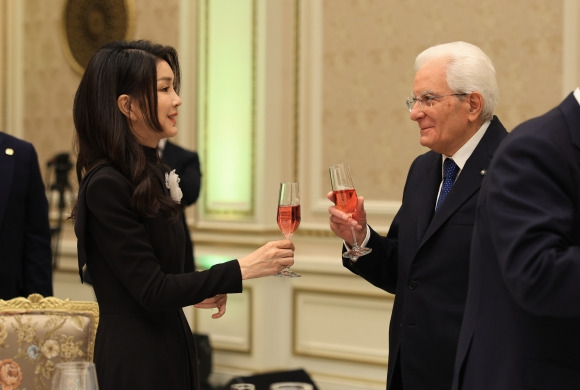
x=234, y=331
x=87, y=25
x=322, y=318
x=571, y=49
x=227, y=109
x=13, y=83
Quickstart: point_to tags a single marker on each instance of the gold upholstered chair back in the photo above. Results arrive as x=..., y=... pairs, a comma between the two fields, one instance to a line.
x=38, y=332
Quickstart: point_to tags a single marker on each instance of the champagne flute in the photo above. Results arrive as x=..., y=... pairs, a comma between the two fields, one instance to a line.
x=345, y=199
x=288, y=216
x=75, y=376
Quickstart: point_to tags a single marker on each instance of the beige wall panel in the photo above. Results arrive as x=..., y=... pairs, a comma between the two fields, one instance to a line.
x=157, y=21
x=571, y=49
x=3, y=74
x=368, y=52
x=49, y=81
x=321, y=324
x=232, y=332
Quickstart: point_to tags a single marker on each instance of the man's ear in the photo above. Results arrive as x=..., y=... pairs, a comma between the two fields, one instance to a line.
x=124, y=104
x=475, y=100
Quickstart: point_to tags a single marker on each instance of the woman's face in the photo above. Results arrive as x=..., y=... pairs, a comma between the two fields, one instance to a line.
x=167, y=102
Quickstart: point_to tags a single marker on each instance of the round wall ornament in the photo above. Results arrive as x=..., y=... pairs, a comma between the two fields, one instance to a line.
x=89, y=24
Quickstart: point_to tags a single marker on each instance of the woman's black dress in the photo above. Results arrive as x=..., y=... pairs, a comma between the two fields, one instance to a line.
x=136, y=264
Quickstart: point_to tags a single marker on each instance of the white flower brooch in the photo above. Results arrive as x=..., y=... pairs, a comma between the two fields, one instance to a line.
x=172, y=182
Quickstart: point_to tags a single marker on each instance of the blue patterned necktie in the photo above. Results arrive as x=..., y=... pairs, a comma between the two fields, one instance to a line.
x=450, y=172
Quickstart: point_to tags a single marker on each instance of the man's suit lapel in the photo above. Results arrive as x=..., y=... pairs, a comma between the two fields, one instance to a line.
x=465, y=187
x=470, y=178
x=426, y=208
x=571, y=111
x=6, y=172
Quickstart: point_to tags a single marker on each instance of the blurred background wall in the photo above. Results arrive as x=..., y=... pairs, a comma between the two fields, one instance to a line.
x=309, y=83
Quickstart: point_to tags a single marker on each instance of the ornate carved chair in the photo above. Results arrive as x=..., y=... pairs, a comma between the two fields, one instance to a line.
x=36, y=333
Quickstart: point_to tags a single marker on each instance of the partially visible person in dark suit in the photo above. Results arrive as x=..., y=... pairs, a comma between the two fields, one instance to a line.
x=424, y=258
x=187, y=166
x=25, y=254
x=521, y=327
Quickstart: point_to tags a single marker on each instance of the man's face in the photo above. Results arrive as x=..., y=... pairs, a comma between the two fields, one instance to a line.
x=444, y=126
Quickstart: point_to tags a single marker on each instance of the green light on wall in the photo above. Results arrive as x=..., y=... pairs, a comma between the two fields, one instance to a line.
x=208, y=261
x=228, y=108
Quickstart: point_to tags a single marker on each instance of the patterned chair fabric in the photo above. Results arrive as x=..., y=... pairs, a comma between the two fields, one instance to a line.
x=36, y=333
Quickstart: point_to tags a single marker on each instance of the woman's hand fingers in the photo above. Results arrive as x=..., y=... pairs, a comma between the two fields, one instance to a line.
x=219, y=302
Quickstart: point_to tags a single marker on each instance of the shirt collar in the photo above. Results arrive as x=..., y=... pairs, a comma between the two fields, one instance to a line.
x=577, y=94
x=462, y=155
x=161, y=145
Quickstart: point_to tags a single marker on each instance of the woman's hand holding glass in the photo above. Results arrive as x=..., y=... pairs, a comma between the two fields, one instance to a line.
x=267, y=260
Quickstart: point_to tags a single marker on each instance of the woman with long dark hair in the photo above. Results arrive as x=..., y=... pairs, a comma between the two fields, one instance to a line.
x=130, y=227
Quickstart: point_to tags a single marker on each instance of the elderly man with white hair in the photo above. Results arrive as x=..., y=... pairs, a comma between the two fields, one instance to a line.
x=424, y=258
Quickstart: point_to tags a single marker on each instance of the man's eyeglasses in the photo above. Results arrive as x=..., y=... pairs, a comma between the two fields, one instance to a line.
x=427, y=100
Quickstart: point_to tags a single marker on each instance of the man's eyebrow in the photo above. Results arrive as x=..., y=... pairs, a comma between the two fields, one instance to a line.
x=424, y=92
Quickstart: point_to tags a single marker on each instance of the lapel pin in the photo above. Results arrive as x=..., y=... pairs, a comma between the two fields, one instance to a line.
x=9, y=151
x=483, y=172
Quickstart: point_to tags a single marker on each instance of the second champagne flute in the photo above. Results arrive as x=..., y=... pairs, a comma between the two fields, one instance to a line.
x=288, y=216
x=75, y=376
x=345, y=199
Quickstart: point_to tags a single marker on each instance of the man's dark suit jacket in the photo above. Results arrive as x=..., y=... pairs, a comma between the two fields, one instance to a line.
x=521, y=328
x=25, y=254
x=424, y=261
x=187, y=166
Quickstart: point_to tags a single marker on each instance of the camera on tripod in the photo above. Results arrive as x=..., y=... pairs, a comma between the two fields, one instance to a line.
x=60, y=165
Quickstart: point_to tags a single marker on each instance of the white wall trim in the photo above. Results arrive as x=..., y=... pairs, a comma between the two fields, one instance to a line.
x=570, y=46
x=15, y=68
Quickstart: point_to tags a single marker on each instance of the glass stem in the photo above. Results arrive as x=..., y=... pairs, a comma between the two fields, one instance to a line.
x=354, y=244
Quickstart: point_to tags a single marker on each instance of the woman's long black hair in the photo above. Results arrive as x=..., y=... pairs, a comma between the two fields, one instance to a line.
x=103, y=134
